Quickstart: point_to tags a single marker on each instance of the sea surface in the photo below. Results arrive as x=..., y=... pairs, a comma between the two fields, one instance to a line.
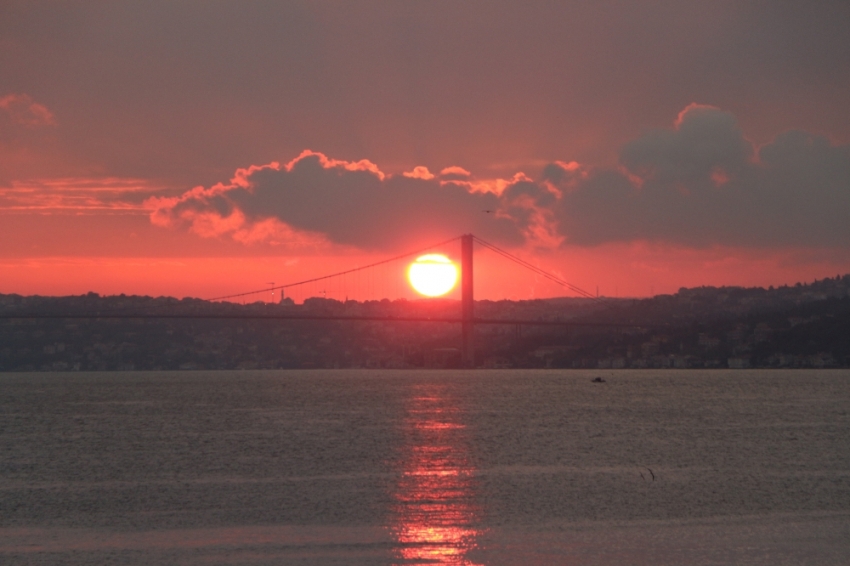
x=504, y=467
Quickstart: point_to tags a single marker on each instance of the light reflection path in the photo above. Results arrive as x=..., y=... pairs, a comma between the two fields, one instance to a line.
x=434, y=512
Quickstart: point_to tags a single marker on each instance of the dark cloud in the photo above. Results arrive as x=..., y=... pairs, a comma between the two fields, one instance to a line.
x=705, y=141
x=365, y=208
x=703, y=183
x=351, y=203
x=698, y=184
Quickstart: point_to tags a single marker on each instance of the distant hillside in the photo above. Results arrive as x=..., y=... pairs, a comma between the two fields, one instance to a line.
x=789, y=326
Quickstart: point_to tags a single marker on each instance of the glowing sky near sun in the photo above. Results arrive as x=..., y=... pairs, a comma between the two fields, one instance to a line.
x=193, y=149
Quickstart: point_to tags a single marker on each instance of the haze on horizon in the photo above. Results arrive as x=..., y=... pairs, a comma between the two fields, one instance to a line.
x=206, y=148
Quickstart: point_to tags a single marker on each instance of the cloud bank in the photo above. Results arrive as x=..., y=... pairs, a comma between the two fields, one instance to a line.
x=349, y=203
x=703, y=183
x=699, y=183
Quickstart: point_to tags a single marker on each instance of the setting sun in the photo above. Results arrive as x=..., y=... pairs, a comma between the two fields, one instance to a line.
x=432, y=275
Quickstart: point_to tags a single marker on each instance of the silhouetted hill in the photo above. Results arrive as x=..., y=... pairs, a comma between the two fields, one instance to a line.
x=789, y=326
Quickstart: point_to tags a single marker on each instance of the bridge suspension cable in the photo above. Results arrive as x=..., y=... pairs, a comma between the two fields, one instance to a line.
x=537, y=270
x=338, y=274
x=492, y=247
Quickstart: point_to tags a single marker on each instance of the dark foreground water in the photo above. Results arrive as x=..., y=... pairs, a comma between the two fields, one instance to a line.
x=418, y=467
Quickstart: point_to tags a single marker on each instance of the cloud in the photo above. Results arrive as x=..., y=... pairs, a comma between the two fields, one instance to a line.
x=703, y=183
x=699, y=183
x=419, y=172
x=705, y=140
x=350, y=203
x=22, y=109
x=77, y=195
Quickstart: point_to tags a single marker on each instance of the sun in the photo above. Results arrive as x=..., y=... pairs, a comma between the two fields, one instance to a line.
x=432, y=275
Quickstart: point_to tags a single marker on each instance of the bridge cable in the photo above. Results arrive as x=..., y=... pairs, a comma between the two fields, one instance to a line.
x=539, y=271
x=395, y=258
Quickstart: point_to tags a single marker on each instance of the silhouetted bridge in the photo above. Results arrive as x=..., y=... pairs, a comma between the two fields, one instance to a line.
x=467, y=318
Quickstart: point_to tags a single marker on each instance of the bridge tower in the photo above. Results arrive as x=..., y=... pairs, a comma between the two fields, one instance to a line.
x=466, y=303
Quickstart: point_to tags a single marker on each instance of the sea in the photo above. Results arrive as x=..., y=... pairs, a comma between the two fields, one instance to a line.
x=397, y=467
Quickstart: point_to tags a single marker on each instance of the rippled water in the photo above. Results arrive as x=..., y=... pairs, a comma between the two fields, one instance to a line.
x=419, y=467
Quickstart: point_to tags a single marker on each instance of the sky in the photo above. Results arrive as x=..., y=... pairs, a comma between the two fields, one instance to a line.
x=631, y=148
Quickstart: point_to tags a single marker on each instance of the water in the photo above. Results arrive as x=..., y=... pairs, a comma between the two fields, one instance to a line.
x=417, y=467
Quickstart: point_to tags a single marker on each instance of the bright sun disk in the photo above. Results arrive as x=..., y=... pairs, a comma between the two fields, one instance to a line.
x=432, y=275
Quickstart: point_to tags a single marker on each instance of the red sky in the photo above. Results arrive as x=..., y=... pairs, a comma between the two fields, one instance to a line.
x=203, y=149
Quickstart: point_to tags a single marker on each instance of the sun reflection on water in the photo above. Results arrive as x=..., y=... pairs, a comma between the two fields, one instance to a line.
x=435, y=513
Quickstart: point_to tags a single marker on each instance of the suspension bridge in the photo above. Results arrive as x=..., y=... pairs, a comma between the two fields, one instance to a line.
x=466, y=318
x=375, y=280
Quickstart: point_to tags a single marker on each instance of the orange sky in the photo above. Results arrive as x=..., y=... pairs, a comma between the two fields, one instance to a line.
x=197, y=150
x=633, y=270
